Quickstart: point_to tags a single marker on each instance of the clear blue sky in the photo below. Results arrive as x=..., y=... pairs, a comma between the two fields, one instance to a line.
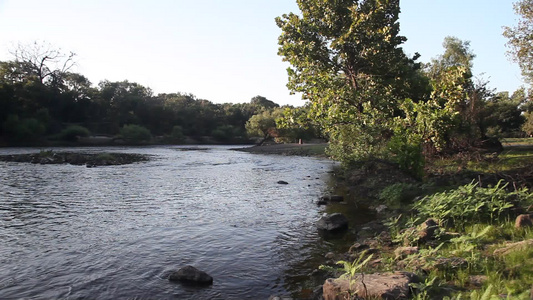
x=226, y=50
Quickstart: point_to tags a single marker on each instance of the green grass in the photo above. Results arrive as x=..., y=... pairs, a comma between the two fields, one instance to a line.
x=510, y=159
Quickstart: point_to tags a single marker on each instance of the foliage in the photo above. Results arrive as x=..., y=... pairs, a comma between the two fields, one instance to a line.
x=295, y=124
x=135, y=133
x=351, y=268
x=470, y=203
x=39, y=84
x=227, y=133
x=346, y=59
x=502, y=115
x=457, y=53
x=177, y=134
x=72, y=133
x=527, y=127
x=264, y=124
x=23, y=130
x=520, y=38
x=399, y=194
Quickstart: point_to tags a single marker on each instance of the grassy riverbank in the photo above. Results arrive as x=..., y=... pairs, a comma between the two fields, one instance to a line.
x=475, y=249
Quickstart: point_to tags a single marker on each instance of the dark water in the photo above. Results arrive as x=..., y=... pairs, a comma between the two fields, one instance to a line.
x=114, y=232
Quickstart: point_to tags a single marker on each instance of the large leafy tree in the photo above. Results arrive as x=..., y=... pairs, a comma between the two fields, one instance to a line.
x=521, y=38
x=346, y=58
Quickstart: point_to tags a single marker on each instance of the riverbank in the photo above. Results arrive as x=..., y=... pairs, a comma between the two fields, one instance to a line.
x=465, y=230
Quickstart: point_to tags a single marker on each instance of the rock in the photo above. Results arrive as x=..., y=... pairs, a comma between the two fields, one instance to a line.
x=447, y=263
x=279, y=298
x=525, y=220
x=370, y=286
x=190, y=274
x=321, y=201
x=403, y=252
x=333, y=222
x=324, y=200
x=477, y=280
x=381, y=208
x=427, y=230
x=513, y=247
x=329, y=255
x=282, y=182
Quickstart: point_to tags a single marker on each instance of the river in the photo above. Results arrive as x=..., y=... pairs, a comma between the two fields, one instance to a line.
x=114, y=232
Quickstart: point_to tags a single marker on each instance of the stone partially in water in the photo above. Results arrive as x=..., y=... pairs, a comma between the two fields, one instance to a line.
x=191, y=275
x=333, y=222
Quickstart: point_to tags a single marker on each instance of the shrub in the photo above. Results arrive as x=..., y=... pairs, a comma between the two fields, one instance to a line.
x=24, y=130
x=135, y=133
x=470, y=203
x=73, y=132
x=177, y=134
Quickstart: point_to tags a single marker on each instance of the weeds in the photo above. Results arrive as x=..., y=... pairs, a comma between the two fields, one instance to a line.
x=470, y=203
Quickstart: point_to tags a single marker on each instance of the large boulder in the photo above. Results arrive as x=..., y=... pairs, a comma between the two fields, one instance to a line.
x=191, y=275
x=370, y=286
x=332, y=222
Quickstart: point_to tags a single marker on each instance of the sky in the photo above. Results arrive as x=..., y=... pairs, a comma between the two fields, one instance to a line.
x=226, y=50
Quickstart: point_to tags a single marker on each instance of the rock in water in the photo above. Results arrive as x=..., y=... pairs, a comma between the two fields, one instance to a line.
x=190, y=274
x=282, y=182
x=333, y=222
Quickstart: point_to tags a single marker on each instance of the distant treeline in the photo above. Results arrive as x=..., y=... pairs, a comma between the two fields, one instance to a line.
x=41, y=99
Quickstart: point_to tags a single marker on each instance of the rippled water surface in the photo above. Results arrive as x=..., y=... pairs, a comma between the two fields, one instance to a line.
x=115, y=232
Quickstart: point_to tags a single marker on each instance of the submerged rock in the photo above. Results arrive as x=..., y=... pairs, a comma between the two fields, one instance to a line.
x=191, y=275
x=329, y=199
x=370, y=286
x=333, y=222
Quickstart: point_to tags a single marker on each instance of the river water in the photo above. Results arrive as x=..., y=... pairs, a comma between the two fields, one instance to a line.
x=115, y=232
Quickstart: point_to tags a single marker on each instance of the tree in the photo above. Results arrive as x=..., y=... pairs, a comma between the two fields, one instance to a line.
x=456, y=53
x=45, y=62
x=520, y=38
x=264, y=124
x=263, y=102
x=346, y=59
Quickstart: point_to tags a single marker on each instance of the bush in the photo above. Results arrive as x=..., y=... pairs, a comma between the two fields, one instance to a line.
x=177, y=135
x=24, y=130
x=135, y=133
x=73, y=132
